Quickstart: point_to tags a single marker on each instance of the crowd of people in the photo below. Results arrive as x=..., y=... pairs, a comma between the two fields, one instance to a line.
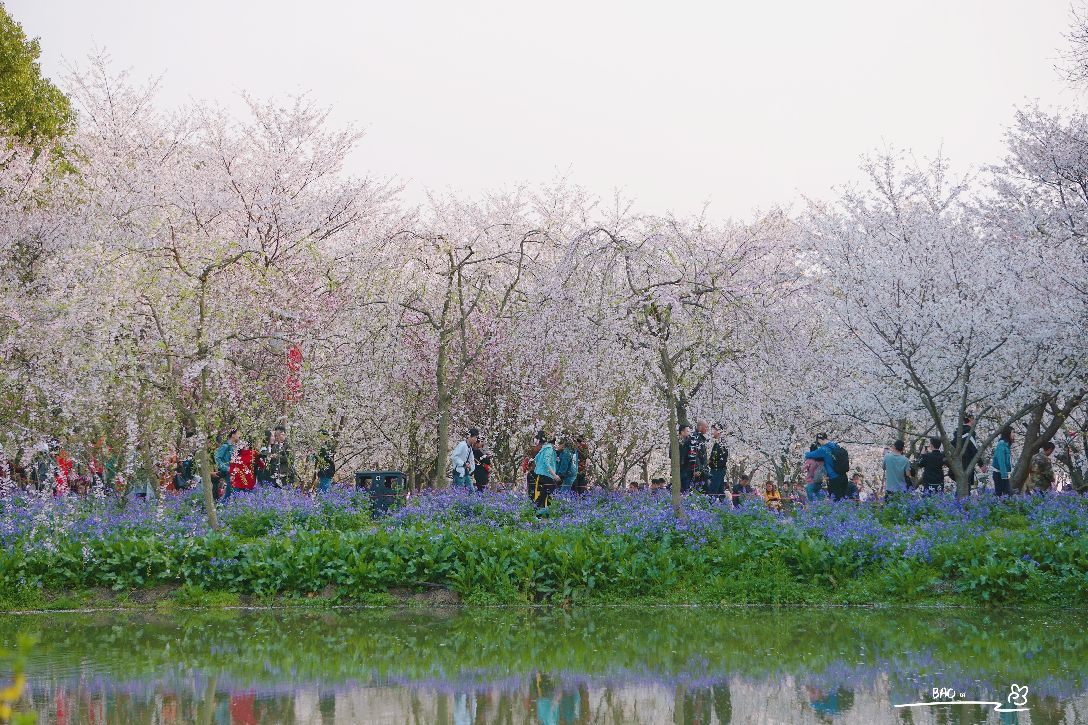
x=553, y=464
x=827, y=464
x=931, y=467
x=237, y=466
x=241, y=467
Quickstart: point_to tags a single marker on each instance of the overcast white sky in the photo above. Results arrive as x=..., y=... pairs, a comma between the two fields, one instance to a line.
x=742, y=104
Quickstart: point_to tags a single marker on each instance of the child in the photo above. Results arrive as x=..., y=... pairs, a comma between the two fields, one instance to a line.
x=771, y=496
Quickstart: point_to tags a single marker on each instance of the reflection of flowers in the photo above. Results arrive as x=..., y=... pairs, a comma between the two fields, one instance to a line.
x=1018, y=695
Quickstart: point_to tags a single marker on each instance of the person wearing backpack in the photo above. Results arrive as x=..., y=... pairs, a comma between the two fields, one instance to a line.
x=462, y=460
x=836, y=462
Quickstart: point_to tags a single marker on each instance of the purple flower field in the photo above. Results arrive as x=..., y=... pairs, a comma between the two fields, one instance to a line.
x=908, y=529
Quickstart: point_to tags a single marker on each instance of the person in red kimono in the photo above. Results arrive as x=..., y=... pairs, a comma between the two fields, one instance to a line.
x=243, y=477
x=63, y=475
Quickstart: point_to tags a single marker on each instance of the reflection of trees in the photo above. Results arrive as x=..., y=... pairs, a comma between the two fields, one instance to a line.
x=327, y=708
x=703, y=705
x=326, y=649
x=723, y=703
x=1048, y=711
x=206, y=708
x=205, y=702
x=692, y=707
x=140, y=663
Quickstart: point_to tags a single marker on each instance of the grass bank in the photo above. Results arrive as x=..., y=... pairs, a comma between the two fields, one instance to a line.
x=283, y=548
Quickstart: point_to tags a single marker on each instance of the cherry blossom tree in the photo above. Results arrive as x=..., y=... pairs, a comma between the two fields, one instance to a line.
x=187, y=272
x=462, y=270
x=674, y=291
x=224, y=231
x=928, y=301
x=774, y=398
x=1039, y=199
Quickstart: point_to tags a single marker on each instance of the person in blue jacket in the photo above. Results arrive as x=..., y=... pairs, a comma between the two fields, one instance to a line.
x=827, y=451
x=566, y=464
x=545, y=479
x=1002, y=462
x=223, y=456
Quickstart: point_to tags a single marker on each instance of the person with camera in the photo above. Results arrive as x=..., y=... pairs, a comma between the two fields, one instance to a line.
x=462, y=460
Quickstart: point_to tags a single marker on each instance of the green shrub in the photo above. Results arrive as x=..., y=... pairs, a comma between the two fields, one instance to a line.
x=21, y=597
x=906, y=581
x=195, y=597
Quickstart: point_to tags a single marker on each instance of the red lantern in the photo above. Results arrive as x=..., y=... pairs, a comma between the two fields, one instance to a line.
x=293, y=383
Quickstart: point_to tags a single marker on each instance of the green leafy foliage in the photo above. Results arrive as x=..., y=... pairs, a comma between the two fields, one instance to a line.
x=997, y=553
x=32, y=109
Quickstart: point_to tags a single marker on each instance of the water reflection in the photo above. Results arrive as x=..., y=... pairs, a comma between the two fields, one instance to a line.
x=670, y=666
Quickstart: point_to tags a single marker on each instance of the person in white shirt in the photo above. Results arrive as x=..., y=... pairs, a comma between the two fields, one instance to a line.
x=463, y=462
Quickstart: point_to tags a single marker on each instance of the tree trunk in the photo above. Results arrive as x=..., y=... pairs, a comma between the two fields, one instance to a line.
x=205, y=457
x=442, y=457
x=206, y=477
x=681, y=409
x=201, y=418
x=954, y=455
x=1068, y=459
x=674, y=429
x=1036, y=434
x=1030, y=443
x=146, y=449
x=955, y=466
x=612, y=465
x=206, y=708
x=153, y=483
x=963, y=483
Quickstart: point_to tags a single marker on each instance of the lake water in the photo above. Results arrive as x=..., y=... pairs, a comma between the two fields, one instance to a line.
x=514, y=666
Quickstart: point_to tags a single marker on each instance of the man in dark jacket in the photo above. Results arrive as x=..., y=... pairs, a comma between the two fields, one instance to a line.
x=719, y=464
x=281, y=467
x=481, y=473
x=932, y=464
x=691, y=458
x=742, y=489
x=702, y=440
